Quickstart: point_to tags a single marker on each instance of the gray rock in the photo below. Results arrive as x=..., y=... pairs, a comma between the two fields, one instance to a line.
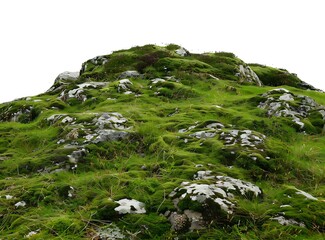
x=124, y=85
x=203, y=134
x=286, y=97
x=281, y=106
x=77, y=155
x=67, y=76
x=129, y=74
x=112, y=120
x=288, y=222
x=179, y=222
x=182, y=52
x=110, y=135
x=246, y=74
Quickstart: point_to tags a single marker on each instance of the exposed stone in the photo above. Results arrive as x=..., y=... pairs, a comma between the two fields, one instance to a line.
x=110, y=135
x=244, y=138
x=130, y=206
x=179, y=222
x=286, y=97
x=157, y=80
x=296, y=107
x=246, y=74
x=56, y=117
x=67, y=76
x=124, y=85
x=196, y=220
x=288, y=222
x=77, y=155
x=129, y=74
x=99, y=60
x=203, y=134
x=182, y=52
x=220, y=189
x=112, y=120
x=215, y=126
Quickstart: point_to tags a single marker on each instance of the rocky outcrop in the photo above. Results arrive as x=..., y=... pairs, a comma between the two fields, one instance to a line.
x=208, y=197
x=182, y=52
x=282, y=103
x=67, y=76
x=246, y=74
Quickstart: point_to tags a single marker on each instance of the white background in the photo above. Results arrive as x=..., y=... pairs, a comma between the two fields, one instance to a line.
x=41, y=38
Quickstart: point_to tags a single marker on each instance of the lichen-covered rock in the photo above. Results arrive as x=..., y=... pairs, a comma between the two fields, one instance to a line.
x=112, y=120
x=288, y=222
x=211, y=192
x=79, y=92
x=282, y=103
x=244, y=138
x=110, y=135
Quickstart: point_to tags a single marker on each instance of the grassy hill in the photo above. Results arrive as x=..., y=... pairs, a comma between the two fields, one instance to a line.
x=158, y=143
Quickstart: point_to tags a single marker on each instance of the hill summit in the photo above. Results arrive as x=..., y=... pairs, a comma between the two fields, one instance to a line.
x=159, y=143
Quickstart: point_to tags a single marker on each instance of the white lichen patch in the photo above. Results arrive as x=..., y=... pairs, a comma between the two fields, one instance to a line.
x=235, y=184
x=32, y=233
x=20, y=204
x=157, y=80
x=130, y=206
x=112, y=120
x=288, y=222
x=244, y=138
x=9, y=197
x=110, y=231
x=220, y=189
x=307, y=195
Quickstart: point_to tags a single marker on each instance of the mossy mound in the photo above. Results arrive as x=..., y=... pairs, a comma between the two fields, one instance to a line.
x=159, y=143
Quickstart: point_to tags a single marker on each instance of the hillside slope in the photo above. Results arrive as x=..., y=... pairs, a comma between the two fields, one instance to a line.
x=158, y=143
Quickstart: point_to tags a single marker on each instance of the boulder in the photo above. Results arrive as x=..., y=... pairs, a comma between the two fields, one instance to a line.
x=182, y=52
x=67, y=76
x=246, y=74
x=129, y=74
